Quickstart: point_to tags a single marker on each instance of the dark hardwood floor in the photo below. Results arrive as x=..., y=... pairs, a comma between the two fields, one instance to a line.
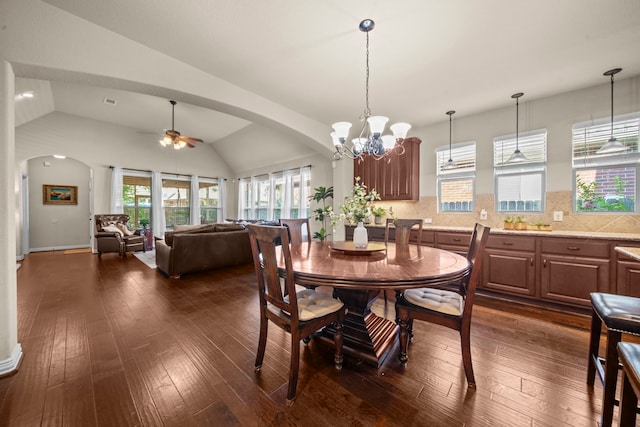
x=111, y=342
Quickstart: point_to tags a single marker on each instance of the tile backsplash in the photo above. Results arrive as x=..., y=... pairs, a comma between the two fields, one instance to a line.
x=427, y=207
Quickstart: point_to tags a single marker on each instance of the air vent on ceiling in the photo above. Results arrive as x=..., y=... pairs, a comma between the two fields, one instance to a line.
x=110, y=101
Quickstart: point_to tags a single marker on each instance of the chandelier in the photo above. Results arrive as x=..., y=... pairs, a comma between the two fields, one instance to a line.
x=371, y=141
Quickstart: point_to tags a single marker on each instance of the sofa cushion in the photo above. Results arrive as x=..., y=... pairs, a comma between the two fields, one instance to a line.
x=112, y=229
x=124, y=229
x=229, y=227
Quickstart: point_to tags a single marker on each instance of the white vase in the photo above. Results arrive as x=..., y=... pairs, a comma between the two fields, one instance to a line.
x=360, y=237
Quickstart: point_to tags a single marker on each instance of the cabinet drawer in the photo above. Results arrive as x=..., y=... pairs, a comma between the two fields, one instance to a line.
x=515, y=243
x=576, y=248
x=454, y=239
x=428, y=238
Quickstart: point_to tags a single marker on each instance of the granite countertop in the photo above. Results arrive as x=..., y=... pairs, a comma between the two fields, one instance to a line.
x=554, y=233
x=629, y=251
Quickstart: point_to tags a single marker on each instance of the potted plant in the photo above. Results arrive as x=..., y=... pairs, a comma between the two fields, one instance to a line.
x=508, y=223
x=378, y=212
x=356, y=208
x=323, y=213
x=520, y=223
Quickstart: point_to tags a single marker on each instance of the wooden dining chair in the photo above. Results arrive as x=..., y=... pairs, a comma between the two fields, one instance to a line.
x=296, y=228
x=302, y=313
x=403, y=229
x=445, y=307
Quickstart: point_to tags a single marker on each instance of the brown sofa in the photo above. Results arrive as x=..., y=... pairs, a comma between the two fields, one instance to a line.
x=192, y=248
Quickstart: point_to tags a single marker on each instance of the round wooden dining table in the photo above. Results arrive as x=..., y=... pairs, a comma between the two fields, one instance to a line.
x=357, y=277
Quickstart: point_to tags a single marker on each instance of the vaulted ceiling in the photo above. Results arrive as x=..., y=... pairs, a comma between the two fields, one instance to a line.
x=426, y=56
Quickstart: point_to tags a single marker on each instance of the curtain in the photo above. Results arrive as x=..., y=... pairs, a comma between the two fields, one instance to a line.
x=287, y=196
x=222, y=199
x=305, y=176
x=116, y=203
x=194, y=202
x=253, y=198
x=158, y=224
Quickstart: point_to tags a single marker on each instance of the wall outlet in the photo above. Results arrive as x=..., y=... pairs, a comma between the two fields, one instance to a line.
x=428, y=220
x=483, y=214
x=557, y=215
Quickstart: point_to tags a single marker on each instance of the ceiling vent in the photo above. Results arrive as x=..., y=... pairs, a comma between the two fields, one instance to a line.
x=110, y=101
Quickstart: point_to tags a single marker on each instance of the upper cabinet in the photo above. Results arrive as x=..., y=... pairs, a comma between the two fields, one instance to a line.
x=394, y=178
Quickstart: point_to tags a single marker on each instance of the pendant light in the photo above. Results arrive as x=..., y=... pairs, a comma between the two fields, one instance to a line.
x=370, y=142
x=450, y=163
x=517, y=155
x=612, y=145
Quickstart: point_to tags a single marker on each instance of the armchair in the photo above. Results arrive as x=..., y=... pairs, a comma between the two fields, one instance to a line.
x=112, y=235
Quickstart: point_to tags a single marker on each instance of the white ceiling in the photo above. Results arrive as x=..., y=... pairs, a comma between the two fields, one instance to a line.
x=427, y=56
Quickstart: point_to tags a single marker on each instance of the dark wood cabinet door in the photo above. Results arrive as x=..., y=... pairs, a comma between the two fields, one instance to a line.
x=395, y=177
x=628, y=282
x=572, y=279
x=509, y=271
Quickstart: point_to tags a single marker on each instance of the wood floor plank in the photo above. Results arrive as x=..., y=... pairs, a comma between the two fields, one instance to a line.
x=110, y=342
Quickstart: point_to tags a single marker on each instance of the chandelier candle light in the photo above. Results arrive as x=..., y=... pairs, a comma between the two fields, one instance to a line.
x=612, y=145
x=371, y=141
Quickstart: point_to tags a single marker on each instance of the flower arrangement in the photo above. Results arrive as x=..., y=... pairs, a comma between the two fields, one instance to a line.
x=356, y=208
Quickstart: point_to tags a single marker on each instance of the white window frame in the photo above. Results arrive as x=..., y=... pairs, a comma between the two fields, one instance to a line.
x=464, y=154
x=533, y=144
x=588, y=136
x=218, y=208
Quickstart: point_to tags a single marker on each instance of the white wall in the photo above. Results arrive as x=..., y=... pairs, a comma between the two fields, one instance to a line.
x=557, y=114
x=58, y=226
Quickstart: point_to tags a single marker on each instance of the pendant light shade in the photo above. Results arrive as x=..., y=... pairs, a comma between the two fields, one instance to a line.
x=517, y=155
x=612, y=145
x=450, y=163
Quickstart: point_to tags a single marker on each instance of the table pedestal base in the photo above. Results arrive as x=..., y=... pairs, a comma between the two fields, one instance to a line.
x=366, y=336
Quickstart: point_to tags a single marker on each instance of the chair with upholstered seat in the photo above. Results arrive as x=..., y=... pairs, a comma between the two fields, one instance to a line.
x=403, y=229
x=620, y=315
x=300, y=313
x=445, y=307
x=298, y=230
x=113, y=235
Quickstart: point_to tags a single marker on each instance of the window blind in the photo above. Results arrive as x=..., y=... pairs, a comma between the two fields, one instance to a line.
x=463, y=154
x=533, y=144
x=588, y=137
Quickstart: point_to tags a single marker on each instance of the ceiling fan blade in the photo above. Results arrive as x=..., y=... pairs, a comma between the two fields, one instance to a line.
x=190, y=139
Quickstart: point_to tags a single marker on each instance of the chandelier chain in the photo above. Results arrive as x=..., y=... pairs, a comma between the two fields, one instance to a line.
x=367, y=110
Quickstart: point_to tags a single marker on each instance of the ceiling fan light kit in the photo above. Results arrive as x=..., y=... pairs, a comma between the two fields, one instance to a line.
x=173, y=137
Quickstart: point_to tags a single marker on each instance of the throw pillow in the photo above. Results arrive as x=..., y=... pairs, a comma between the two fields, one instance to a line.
x=124, y=229
x=112, y=229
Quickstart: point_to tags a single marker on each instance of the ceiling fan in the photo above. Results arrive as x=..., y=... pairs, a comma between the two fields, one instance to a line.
x=172, y=136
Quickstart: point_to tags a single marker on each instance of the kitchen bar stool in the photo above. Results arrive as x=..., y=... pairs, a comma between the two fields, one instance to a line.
x=620, y=315
x=629, y=355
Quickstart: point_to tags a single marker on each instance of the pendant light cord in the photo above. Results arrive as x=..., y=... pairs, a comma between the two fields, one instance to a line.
x=611, y=105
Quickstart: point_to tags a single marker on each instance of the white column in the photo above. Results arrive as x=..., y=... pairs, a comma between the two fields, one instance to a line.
x=10, y=350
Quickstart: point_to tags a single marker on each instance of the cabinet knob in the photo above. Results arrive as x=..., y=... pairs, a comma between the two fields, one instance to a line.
x=531, y=262
x=544, y=263
x=457, y=239
x=573, y=248
x=507, y=243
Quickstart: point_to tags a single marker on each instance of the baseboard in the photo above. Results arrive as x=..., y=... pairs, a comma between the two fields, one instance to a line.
x=10, y=366
x=20, y=258
x=58, y=248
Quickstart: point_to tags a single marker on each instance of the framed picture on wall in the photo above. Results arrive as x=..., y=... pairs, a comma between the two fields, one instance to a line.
x=59, y=194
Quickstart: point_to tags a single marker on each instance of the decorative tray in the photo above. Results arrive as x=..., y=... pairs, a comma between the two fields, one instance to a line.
x=349, y=249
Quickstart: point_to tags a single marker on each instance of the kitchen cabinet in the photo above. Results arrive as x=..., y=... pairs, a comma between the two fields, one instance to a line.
x=509, y=265
x=572, y=269
x=628, y=274
x=395, y=177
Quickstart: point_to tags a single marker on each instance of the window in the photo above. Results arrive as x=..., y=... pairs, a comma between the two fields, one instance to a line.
x=605, y=182
x=520, y=187
x=175, y=199
x=136, y=195
x=282, y=194
x=456, y=184
x=208, y=200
